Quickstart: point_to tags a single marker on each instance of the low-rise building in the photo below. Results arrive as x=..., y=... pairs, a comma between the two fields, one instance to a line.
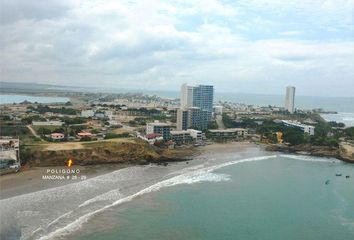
x=161, y=128
x=47, y=123
x=9, y=154
x=197, y=135
x=181, y=137
x=57, y=136
x=151, y=138
x=84, y=134
x=307, y=129
x=87, y=113
x=227, y=134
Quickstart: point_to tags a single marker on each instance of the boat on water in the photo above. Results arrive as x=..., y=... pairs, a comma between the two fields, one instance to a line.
x=347, y=176
x=327, y=182
x=338, y=174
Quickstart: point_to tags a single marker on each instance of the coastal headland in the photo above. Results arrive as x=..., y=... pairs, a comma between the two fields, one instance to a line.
x=344, y=152
x=116, y=151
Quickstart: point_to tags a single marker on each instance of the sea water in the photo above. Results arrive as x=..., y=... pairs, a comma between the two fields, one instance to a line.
x=281, y=197
x=14, y=98
x=233, y=194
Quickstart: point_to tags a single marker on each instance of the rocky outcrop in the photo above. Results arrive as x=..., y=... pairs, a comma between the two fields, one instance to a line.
x=346, y=151
x=137, y=152
x=321, y=151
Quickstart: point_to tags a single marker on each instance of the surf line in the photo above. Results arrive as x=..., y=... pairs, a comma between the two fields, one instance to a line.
x=185, y=178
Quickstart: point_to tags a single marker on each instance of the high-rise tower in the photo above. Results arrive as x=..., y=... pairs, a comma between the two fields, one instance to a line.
x=196, y=107
x=290, y=99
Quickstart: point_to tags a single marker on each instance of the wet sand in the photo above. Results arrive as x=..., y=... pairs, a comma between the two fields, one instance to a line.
x=30, y=180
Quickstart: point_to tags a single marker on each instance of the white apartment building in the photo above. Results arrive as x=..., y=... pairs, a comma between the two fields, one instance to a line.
x=197, y=135
x=218, y=110
x=308, y=129
x=186, y=96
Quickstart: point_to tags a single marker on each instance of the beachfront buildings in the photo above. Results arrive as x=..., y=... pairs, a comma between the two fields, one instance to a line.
x=227, y=134
x=307, y=129
x=290, y=99
x=181, y=137
x=151, y=138
x=187, y=136
x=196, y=107
x=158, y=127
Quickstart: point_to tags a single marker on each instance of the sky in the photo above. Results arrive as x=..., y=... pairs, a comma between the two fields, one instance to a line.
x=250, y=46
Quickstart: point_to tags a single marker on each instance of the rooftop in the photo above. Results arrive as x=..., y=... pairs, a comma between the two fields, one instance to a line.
x=229, y=130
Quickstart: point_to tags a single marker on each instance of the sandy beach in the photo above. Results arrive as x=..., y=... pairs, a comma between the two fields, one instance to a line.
x=31, y=180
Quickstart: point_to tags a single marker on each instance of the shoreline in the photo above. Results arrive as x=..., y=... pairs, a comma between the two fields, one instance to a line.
x=29, y=179
x=49, y=210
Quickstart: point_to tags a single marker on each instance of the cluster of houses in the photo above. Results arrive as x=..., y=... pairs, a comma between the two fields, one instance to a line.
x=61, y=136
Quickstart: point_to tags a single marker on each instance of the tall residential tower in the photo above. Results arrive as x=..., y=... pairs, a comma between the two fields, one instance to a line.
x=290, y=99
x=196, y=107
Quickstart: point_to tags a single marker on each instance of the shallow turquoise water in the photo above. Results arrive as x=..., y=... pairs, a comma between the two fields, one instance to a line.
x=272, y=199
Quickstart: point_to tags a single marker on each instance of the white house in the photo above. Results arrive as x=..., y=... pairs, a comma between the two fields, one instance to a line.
x=57, y=136
x=87, y=113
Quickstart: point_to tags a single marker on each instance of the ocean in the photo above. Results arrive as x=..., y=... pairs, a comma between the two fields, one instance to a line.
x=276, y=198
x=14, y=98
x=339, y=104
x=227, y=192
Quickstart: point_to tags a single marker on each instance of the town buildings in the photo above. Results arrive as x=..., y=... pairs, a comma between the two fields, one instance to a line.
x=290, y=99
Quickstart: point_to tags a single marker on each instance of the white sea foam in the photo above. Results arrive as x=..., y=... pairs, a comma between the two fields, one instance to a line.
x=111, y=195
x=190, y=176
x=310, y=158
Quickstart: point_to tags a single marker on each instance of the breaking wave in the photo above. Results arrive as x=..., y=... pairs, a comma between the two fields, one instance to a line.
x=310, y=158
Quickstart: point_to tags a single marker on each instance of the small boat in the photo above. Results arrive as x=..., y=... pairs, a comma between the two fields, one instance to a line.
x=327, y=182
x=347, y=176
x=338, y=174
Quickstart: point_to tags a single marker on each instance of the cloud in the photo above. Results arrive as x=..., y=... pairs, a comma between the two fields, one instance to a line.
x=251, y=46
x=291, y=33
